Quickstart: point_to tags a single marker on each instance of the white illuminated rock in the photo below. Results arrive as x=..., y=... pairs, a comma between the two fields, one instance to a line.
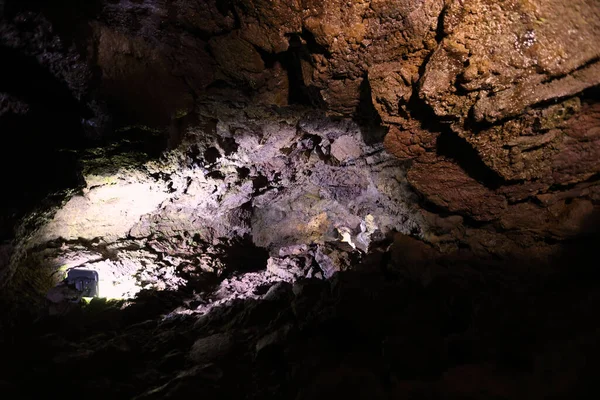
x=277, y=187
x=107, y=212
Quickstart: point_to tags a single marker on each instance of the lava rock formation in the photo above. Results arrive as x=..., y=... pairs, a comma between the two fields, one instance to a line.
x=306, y=199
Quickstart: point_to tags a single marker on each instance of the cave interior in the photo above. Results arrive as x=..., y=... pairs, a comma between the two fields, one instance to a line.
x=267, y=199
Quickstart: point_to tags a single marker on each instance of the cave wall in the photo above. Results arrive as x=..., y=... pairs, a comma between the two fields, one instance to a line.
x=494, y=105
x=490, y=115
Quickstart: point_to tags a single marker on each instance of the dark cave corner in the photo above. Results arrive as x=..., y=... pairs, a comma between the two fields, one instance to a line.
x=40, y=141
x=367, y=116
x=299, y=93
x=575, y=259
x=456, y=148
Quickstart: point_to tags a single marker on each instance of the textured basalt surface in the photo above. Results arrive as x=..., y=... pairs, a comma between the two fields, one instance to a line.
x=495, y=97
x=297, y=198
x=246, y=188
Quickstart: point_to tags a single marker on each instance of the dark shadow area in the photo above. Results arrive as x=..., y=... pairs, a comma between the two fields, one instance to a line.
x=367, y=116
x=291, y=60
x=36, y=155
x=425, y=330
x=51, y=102
x=566, y=187
x=578, y=256
x=451, y=146
x=592, y=94
x=439, y=29
x=244, y=256
x=66, y=16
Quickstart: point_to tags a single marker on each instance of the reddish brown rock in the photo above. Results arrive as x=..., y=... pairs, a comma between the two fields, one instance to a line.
x=266, y=23
x=355, y=35
x=238, y=59
x=580, y=157
x=575, y=217
x=500, y=56
x=391, y=89
x=207, y=17
x=335, y=44
x=557, y=144
x=447, y=186
x=522, y=149
x=343, y=96
x=277, y=88
x=519, y=58
x=519, y=192
x=526, y=216
x=589, y=190
x=512, y=102
x=409, y=143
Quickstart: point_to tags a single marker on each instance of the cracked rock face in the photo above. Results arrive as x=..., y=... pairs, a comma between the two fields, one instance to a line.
x=500, y=98
x=491, y=107
x=510, y=81
x=293, y=194
x=300, y=199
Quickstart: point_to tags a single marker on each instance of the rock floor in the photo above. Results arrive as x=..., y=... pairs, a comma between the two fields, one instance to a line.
x=468, y=330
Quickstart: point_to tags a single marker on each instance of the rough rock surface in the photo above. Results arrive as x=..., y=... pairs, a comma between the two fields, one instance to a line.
x=255, y=242
x=428, y=326
x=504, y=91
x=512, y=122
x=243, y=184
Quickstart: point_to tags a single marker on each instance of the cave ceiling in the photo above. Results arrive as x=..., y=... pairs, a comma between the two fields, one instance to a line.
x=268, y=199
x=466, y=124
